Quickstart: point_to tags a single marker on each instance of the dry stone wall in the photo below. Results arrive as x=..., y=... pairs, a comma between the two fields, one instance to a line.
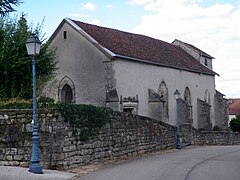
x=126, y=135
x=197, y=137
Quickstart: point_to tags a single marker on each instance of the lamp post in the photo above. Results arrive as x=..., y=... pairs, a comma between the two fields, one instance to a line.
x=33, y=46
x=177, y=96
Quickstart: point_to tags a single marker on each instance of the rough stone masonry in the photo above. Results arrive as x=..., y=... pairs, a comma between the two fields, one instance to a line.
x=126, y=135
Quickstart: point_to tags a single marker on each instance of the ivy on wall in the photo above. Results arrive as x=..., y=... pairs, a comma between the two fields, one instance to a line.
x=86, y=120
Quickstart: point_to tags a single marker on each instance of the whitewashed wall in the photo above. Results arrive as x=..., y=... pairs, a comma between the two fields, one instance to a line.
x=134, y=78
x=82, y=62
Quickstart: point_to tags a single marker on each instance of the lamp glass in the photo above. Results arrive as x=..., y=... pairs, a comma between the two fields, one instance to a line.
x=33, y=45
x=177, y=94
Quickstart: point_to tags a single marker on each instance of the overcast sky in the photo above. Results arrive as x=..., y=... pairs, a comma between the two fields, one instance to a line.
x=211, y=25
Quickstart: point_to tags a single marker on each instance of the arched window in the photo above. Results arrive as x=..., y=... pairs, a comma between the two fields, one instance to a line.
x=207, y=97
x=187, y=96
x=163, y=93
x=67, y=94
x=66, y=90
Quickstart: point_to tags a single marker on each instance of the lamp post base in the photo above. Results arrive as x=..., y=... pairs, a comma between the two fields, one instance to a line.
x=178, y=144
x=35, y=167
x=178, y=147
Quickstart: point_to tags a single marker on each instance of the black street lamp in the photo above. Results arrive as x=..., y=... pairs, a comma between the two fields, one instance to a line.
x=177, y=96
x=33, y=46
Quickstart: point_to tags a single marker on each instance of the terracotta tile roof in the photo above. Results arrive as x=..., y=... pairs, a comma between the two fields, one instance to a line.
x=135, y=46
x=234, y=106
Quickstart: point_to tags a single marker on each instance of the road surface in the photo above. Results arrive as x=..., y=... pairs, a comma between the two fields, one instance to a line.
x=203, y=163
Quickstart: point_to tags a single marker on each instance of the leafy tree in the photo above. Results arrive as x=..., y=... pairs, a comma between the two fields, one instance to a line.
x=6, y=6
x=15, y=63
x=235, y=124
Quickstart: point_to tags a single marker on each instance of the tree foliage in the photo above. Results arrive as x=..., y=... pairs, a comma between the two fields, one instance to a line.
x=6, y=6
x=235, y=124
x=15, y=63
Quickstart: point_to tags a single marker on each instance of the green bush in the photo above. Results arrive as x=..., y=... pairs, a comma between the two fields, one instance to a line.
x=235, y=124
x=45, y=102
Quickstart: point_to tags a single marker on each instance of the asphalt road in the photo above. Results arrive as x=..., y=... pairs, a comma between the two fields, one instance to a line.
x=203, y=163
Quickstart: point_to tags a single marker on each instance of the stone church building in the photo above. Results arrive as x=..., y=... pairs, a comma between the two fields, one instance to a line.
x=135, y=74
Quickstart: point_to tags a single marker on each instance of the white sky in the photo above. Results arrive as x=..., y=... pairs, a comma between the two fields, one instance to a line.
x=215, y=29
x=211, y=25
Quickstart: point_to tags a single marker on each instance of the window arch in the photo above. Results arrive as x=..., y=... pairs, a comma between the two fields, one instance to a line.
x=187, y=96
x=207, y=97
x=163, y=93
x=66, y=90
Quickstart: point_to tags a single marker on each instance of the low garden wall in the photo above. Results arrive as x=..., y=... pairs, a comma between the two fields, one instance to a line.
x=125, y=135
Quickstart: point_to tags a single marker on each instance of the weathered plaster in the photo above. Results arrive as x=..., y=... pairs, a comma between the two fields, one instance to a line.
x=82, y=62
x=136, y=78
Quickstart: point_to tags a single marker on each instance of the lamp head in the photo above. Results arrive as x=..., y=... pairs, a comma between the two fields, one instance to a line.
x=177, y=94
x=33, y=45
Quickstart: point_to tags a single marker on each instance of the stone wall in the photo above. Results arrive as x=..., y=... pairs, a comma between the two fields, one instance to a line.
x=204, y=114
x=126, y=135
x=221, y=111
x=197, y=137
